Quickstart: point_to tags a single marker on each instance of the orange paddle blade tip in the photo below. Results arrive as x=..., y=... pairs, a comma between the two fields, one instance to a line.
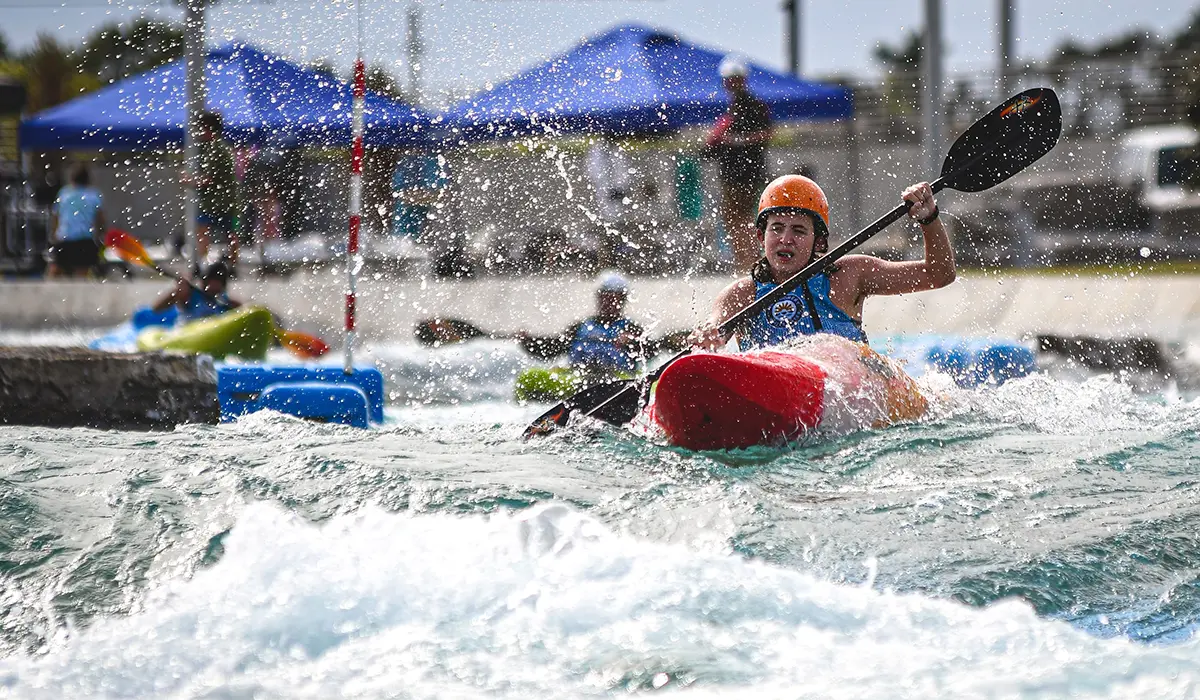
x=128, y=247
x=303, y=344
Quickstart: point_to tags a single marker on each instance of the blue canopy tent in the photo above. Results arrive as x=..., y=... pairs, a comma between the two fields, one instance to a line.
x=632, y=79
x=263, y=100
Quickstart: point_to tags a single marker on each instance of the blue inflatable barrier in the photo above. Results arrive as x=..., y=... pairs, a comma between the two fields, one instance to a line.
x=970, y=361
x=309, y=392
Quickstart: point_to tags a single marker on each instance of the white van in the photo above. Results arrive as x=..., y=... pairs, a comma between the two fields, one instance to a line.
x=1158, y=162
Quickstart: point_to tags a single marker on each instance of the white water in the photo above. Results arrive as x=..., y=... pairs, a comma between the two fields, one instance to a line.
x=551, y=603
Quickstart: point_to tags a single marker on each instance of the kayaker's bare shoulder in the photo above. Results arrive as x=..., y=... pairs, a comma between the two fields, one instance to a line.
x=733, y=299
x=854, y=265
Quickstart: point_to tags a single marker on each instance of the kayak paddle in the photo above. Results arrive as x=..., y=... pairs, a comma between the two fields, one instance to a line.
x=131, y=250
x=1001, y=144
x=444, y=331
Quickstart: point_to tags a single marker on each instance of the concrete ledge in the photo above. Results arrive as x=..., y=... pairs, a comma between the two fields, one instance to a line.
x=65, y=387
x=1161, y=306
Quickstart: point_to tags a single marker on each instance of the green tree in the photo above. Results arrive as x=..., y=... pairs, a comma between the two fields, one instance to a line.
x=325, y=67
x=903, y=64
x=117, y=51
x=3, y=47
x=50, y=76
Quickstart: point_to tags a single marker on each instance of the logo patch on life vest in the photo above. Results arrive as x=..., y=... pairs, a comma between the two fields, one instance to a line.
x=784, y=311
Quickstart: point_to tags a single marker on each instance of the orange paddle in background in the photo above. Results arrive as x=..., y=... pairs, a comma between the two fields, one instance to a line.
x=131, y=250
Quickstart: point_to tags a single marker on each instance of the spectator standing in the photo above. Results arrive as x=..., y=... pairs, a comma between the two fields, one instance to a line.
x=739, y=143
x=417, y=183
x=78, y=224
x=217, y=191
x=608, y=169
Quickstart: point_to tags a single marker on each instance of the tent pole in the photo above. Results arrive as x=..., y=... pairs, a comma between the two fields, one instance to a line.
x=356, y=193
x=195, y=100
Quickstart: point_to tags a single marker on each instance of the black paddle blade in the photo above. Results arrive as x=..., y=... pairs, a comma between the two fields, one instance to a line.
x=435, y=331
x=1004, y=142
x=616, y=402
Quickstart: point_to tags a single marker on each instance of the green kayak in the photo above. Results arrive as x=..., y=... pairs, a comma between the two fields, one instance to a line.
x=245, y=332
x=546, y=384
x=554, y=383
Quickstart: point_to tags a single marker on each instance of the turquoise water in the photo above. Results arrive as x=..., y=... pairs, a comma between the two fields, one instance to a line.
x=1032, y=540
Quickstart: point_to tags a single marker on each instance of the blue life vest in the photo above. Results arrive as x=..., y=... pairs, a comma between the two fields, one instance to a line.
x=593, y=346
x=789, y=317
x=199, y=306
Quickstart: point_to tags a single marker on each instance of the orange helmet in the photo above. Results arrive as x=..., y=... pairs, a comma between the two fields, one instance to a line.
x=797, y=193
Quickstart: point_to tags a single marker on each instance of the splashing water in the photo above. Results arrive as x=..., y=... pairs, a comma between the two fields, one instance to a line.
x=1033, y=539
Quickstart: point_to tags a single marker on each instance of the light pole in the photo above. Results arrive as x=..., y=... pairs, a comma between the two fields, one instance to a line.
x=1008, y=33
x=793, y=33
x=194, y=103
x=933, y=84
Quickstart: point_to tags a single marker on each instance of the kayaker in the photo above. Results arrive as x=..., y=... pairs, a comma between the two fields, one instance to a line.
x=192, y=303
x=605, y=343
x=793, y=228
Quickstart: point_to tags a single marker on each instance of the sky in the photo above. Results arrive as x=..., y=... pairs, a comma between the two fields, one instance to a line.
x=474, y=43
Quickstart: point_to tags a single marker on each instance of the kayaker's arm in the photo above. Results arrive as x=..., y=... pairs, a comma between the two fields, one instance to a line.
x=547, y=347
x=934, y=271
x=173, y=297
x=731, y=300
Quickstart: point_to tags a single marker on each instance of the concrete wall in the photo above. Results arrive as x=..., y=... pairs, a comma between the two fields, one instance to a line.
x=1165, y=307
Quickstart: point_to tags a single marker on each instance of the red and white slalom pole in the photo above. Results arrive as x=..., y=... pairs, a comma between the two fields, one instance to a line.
x=356, y=192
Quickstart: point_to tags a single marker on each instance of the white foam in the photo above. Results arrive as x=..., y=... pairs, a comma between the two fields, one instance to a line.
x=550, y=603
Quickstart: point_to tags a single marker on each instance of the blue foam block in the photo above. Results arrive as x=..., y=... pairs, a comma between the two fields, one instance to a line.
x=241, y=387
x=331, y=403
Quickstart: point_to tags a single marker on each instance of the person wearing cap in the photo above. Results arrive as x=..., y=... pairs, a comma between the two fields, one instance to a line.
x=605, y=343
x=738, y=141
x=793, y=229
x=196, y=304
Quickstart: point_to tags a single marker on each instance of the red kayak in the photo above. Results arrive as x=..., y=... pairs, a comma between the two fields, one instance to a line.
x=713, y=402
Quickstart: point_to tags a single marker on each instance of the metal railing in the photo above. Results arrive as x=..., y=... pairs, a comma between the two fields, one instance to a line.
x=24, y=232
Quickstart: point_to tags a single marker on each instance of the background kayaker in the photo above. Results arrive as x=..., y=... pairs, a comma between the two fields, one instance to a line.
x=77, y=221
x=606, y=342
x=793, y=228
x=195, y=305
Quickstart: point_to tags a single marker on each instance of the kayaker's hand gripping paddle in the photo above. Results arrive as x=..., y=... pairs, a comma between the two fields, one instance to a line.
x=1004, y=142
x=131, y=250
